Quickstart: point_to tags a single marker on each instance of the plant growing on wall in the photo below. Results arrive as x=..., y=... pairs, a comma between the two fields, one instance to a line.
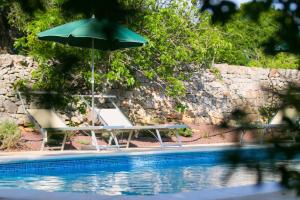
x=9, y=135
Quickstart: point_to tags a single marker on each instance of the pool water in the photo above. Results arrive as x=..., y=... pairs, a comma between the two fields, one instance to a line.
x=133, y=175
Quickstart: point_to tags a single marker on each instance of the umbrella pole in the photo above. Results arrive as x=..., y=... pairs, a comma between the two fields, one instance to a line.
x=94, y=139
x=93, y=84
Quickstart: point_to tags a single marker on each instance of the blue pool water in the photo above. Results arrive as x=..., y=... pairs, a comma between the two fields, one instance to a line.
x=133, y=174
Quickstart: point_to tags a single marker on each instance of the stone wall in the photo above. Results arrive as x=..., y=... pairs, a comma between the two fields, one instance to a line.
x=212, y=97
x=13, y=68
x=211, y=94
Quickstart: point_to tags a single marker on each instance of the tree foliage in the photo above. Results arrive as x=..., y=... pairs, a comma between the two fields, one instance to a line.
x=248, y=38
x=287, y=33
x=178, y=36
x=181, y=40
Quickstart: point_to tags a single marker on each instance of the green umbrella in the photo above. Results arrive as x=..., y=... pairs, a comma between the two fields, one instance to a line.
x=103, y=34
x=95, y=34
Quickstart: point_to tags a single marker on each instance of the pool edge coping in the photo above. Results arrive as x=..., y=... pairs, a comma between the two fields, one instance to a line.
x=155, y=151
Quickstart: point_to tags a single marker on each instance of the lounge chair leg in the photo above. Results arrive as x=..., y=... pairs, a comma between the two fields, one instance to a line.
x=262, y=136
x=43, y=145
x=242, y=133
x=294, y=137
x=159, y=138
x=44, y=140
x=64, y=142
x=115, y=140
x=94, y=141
x=110, y=140
x=178, y=138
x=129, y=139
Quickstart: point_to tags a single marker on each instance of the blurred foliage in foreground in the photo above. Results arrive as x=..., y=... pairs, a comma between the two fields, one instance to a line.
x=283, y=150
x=181, y=41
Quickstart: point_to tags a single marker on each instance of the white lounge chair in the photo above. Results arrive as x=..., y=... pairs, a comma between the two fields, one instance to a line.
x=115, y=117
x=47, y=121
x=277, y=122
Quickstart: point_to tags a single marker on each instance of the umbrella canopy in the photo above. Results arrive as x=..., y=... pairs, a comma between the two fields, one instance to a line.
x=106, y=34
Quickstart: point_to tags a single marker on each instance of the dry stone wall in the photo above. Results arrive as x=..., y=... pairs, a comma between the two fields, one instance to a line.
x=13, y=68
x=211, y=94
x=236, y=87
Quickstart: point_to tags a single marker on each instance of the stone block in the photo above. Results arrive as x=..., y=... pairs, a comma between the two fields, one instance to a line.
x=20, y=119
x=20, y=110
x=12, y=78
x=18, y=103
x=10, y=94
x=10, y=107
x=3, y=91
x=5, y=61
x=274, y=73
x=149, y=104
x=6, y=77
x=4, y=71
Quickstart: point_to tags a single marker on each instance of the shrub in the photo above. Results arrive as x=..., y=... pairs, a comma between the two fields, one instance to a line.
x=216, y=72
x=185, y=132
x=9, y=135
x=181, y=108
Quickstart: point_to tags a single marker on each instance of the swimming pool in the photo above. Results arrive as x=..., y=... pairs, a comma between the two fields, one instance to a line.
x=137, y=174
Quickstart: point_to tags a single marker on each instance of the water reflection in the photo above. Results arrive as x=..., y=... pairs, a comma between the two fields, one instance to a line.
x=138, y=180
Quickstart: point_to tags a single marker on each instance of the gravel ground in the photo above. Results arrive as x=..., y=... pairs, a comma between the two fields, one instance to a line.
x=202, y=134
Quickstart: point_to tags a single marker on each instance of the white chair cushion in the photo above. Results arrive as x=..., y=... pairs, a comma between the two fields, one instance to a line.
x=113, y=117
x=46, y=118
